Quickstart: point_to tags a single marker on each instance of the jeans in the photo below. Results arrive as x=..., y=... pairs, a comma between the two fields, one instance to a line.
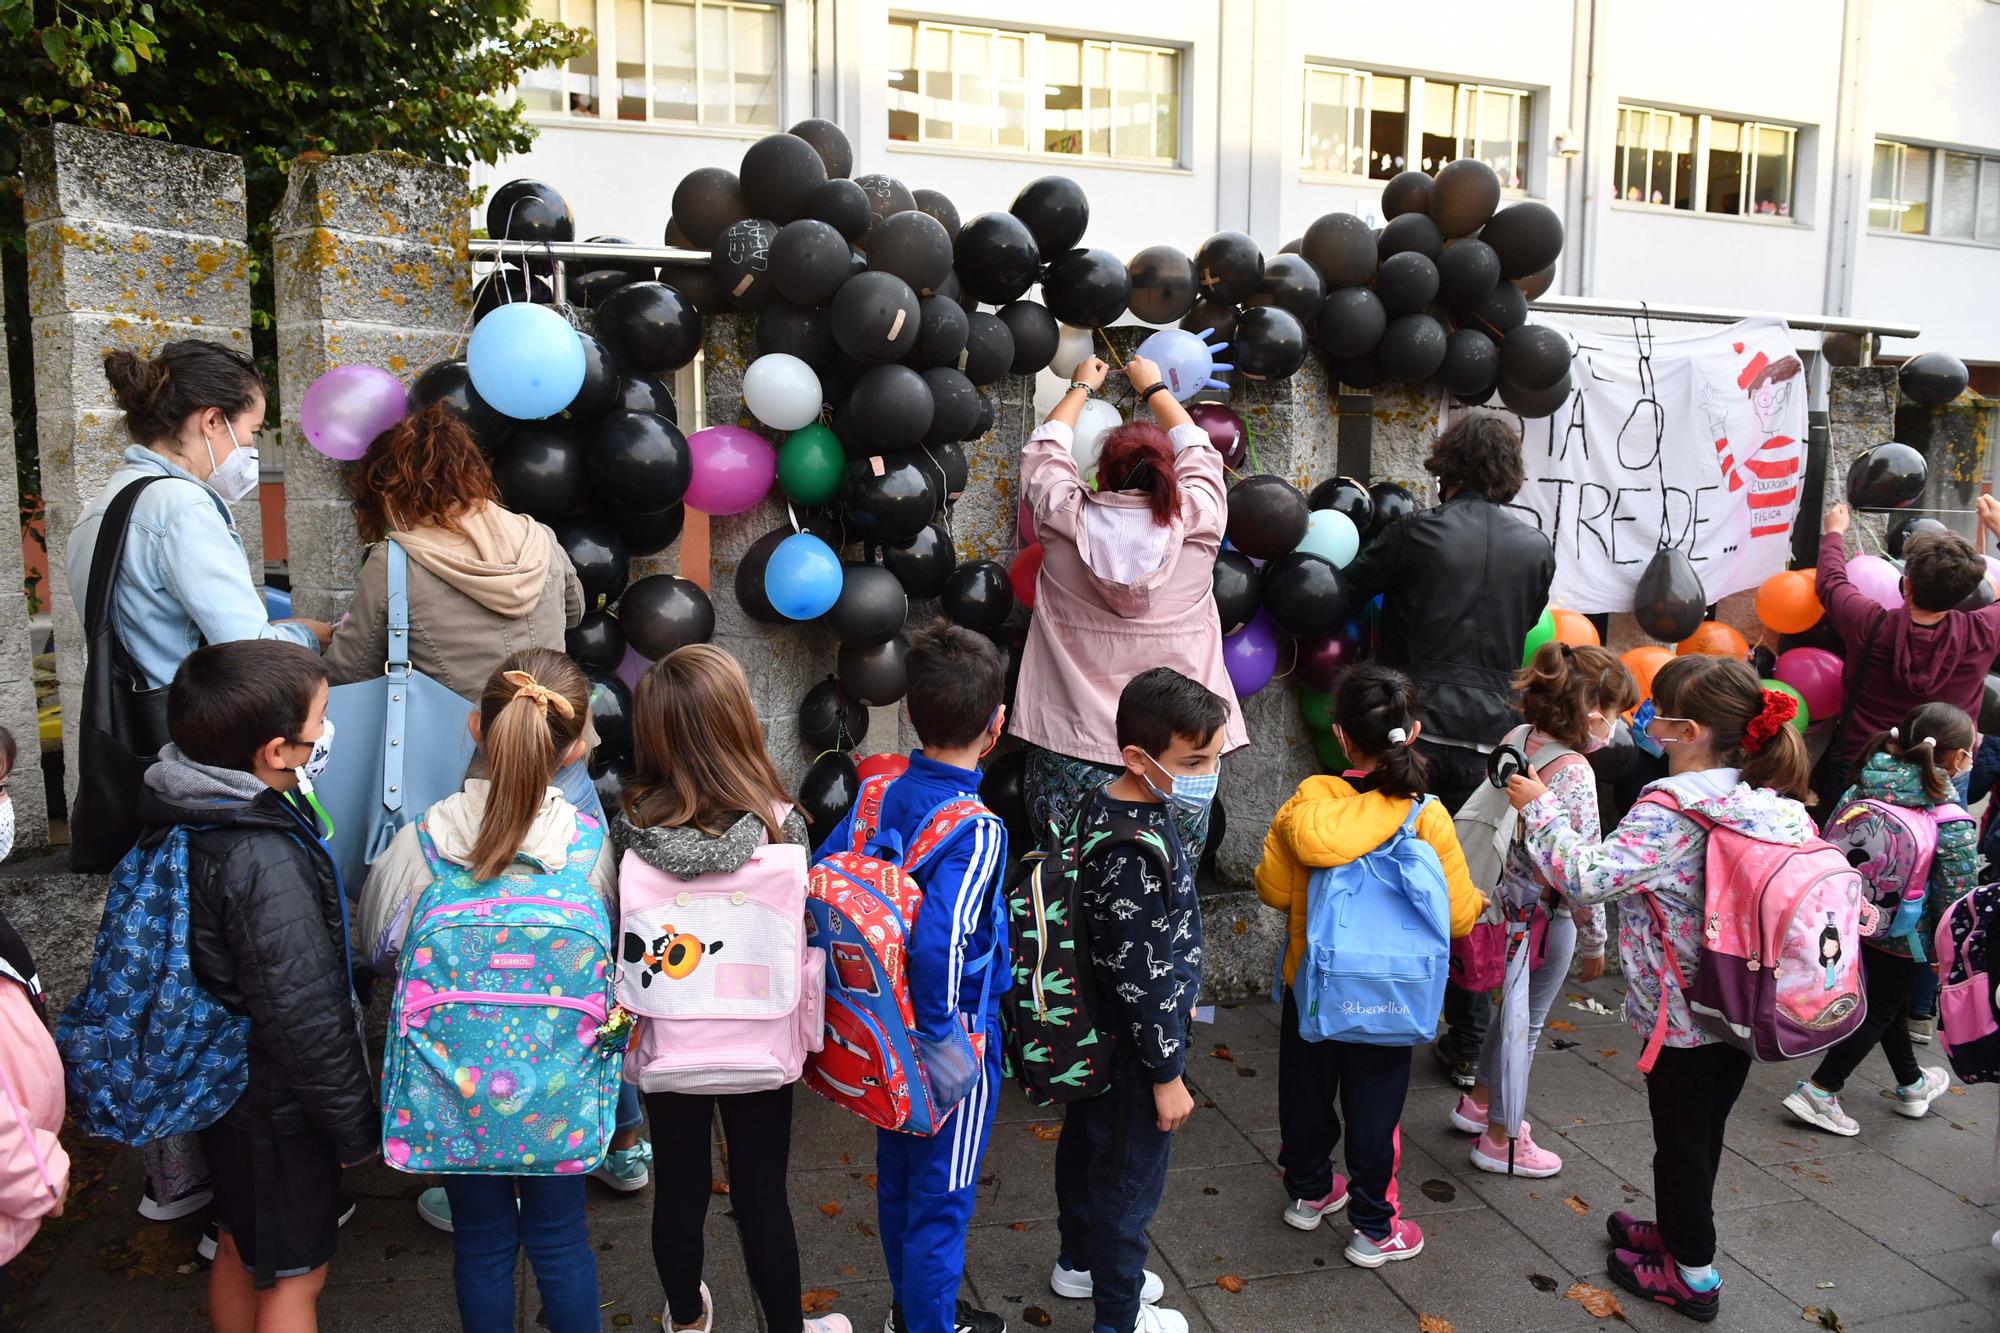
x=631, y=1111
x=1319, y=1084
x=1111, y=1164
x=489, y=1232
x=1690, y=1093
x=1455, y=773
x=1545, y=982
x=1887, y=978
x=1923, y=993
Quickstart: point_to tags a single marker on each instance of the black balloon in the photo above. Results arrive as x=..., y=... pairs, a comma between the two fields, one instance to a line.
x=1407, y=192
x=1407, y=282
x=697, y=286
x=637, y=268
x=1534, y=357
x=887, y=197
x=1668, y=601
x=1162, y=284
x=599, y=390
x=987, y=413
x=1889, y=476
x=1464, y=197
x=1269, y=343
x=541, y=472
x=779, y=171
x=449, y=384
x=528, y=210
x=951, y=461
x=1239, y=588
x=1054, y=211
x=1989, y=707
x=1013, y=646
x=507, y=283
x=996, y=257
x=1267, y=516
x=1411, y=232
x=836, y=154
x=1412, y=346
x=1910, y=525
x=890, y=409
x=1981, y=596
x=954, y=406
x=741, y=261
x=662, y=613
x=1342, y=248
x=979, y=595
x=830, y=720
x=649, y=326
x=941, y=333
x=1537, y=282
x=892, y=506
x=989, y=347
x=1305, y=595
x=1356, y=372
x=875, y=316
x=924, y=564
x=707, y=201
x=1471, y=364
x=643, y=393
x=1217, y=316
x=610, y=717
x=876, y=674
x=649, y=533
x=1933, y=378
x=1531, y=404
x=589, y=289
x=1086, y=288
x=1003, y=790
x=1291, y=284
x=843, y=205
x=827, y=792
x=1035, y=334
x=1228, y=267
x=1467, y=270
x=597, y=552
x=1350, y=323
x=750, y=593
x=915, y=247
x=639, y=460
x=938, y=205
x=809, y=261
x=1499, y=312
x=1527, y=236
x=799, y=331
x=596, y=641
x=871, y=607
x=1392, y=503
x=1344, y=495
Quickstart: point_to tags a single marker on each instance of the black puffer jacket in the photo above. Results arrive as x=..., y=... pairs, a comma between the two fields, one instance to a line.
x=1461, y=587
x=265, y=935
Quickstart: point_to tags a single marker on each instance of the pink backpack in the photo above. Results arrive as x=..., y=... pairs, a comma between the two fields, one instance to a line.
x=1892, y=847
x=1780, y=973
x=1968, y=954
x=716, y=970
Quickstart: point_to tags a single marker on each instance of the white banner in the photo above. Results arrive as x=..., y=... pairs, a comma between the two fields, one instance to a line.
x=1688, y=440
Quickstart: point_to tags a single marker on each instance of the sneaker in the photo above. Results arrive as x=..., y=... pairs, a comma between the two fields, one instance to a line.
x=1822, y=1110
x=1922, y=1029
x=1460, y=1072
x=968, y=1319
x=347, y=1207
x=1153, y=1319
x=1075, y=1283
x=1305, y=1214
x=204, y=1248
x=829, y=1323
x=435, y=1208
x=627, y=1169
x=1656, y=1277
x=181, y=1205
x=1524, y=1157
x=1629, y=1233
x=1915, y=1100
x=707, y=1316
x=1404, y=1241
x=1468, y=1117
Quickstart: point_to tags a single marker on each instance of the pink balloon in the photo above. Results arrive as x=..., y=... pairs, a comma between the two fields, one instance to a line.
x=1251, y=655
x=1876, y=579
x=1815, y=674
x=347, y=407
x=632, y=666
x=1024, y=525
x=733, y=469
x=1992, y=571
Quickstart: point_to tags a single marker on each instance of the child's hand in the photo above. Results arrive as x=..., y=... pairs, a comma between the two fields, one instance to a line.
x=1589, y=969
x=1989, y=513
x=1172, y=1104
x=1524, y=789
x=1837, y=519
x=1091, y=370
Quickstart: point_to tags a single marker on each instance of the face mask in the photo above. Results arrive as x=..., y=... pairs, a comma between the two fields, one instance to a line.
x=236, y=476
x=1191, y=791
x=1595, y=742
x=6, y=827
x=1670, y=740
x=315, y=763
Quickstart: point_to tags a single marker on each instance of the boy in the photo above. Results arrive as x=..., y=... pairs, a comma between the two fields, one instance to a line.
x=1137, y=892
x=266, y=936
x=924, y=1186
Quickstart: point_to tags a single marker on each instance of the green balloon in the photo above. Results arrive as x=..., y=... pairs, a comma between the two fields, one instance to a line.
x=1802, y=719
x=810, y=463
x=1331, y=757
x=1544, y=630
x=1316, y=706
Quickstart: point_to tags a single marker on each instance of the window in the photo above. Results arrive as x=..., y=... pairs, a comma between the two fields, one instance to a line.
x=1655, y=157
x=973, y=87
x=689, y=62
x=1924, y=191
x=1691, y=162
x=1359, y=123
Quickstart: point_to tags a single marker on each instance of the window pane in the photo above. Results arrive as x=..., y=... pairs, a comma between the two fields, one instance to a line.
x=758, y=29
x=938, y=100
x=1097, y=93
x=1771, y=186
x=541, y=89
x=1439, y=142
x=1062, y=95
x=631, y=38
x=1958, y=207
x=673, y=60
x=1166, y=106
x=1725, y=167
x=1913, y=188
x=1629, y=166
x=715, y=91
x=1010, y=60
x=1989, y=200
x=902, y=92
x=1335, y=137
x=582, y=88
x=1882, y=205
x=972, y=57
x=1497, y=115
x=1132, y=111
x=1388, y=124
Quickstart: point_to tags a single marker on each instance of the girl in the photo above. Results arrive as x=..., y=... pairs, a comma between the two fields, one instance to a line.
x=1329, y=822
x=703, y=796
x=1914, y=764
x=531, y=720
x=1570, y=697
x=1731, y=758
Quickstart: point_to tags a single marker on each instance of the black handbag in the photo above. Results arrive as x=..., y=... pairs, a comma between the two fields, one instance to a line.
x=124, y=724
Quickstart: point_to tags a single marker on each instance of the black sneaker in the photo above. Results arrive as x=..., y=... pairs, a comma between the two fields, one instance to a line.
x=969, y=1319
x=181, y=1205
x=204, y=1249
x=347, y=1206
x=1461, y=1072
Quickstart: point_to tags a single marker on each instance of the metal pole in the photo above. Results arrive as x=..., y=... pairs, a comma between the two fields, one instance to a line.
x=1590, y=305
x=491, y=251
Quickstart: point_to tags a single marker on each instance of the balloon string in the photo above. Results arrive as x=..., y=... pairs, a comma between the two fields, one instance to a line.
x=1250, y=446
x=1116, y=359
x=1295, y=662
x=1861, y=509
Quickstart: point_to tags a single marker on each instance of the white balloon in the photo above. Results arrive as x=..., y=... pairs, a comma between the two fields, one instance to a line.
x=1073, y=348
x=781, y=391
x=1092, y=424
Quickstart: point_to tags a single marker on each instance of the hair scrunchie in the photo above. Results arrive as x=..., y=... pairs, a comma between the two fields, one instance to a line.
x=526, y=686
x=1778, y=711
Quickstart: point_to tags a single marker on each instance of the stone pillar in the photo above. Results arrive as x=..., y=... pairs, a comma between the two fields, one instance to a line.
x=17, y=676
x=370, y=269
x=131, y=243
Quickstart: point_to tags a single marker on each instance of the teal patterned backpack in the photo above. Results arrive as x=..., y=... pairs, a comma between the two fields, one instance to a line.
x=505, y=1043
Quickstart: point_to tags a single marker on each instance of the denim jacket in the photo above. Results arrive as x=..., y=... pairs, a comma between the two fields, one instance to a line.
x=185, y=580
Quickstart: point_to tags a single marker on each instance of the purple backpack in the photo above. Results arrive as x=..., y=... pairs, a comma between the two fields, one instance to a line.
x=1892, y=847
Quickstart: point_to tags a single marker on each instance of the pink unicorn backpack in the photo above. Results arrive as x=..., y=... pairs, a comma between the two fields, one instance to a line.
x=1892, y=847
x=728, y=996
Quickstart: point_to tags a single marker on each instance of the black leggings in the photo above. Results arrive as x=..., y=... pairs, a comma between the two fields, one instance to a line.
x=1690, y=1093
x=1887, y=977
x=757, y=1127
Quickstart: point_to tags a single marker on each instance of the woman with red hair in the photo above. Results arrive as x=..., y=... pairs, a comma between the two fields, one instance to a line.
x=1126, y=584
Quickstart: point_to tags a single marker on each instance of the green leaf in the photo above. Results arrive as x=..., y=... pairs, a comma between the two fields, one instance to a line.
x=143, y=36
x=55, y=43
x=122, y=61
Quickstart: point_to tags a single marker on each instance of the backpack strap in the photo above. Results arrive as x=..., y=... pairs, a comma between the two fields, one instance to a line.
x=105, y=559
x=395, y=708
x=868, y=812
x=944, y=819
x=1657, y=1038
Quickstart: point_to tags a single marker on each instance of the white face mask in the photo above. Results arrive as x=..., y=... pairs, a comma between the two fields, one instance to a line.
x=236, y=476
x=316, y=762
x=6, y=827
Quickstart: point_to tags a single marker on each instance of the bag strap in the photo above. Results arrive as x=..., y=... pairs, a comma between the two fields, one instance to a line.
x=1860, y=675
x=1658, y=1036
x=944, y=819
x=395, y=708
x=105, y=559
x=868, y=812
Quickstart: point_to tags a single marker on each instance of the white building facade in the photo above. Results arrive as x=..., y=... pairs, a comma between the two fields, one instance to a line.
x=1788, y=156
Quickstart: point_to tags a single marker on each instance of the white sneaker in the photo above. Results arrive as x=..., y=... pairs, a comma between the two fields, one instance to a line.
x=1075, y=1283
x=1915, y=1101
x=708, y=1316
x=434, y=1207
x=1153, y=1319
x=181, y=1205
x=1822, y=1110
x=829, y=1323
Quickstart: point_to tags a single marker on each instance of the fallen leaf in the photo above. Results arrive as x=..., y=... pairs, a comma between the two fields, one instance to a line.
x=1825, y=1319
x=1824, y=1286
x=621, y=1320
x=869, y=1180
x=1562, y=1045
x=1210, y=1189
x=1601, y=1303
x=831, y=1209
x=847, y=1270
x=1607, y=1054
x=845, y=1160
x=718, y=1186
x=1439, y=1191
x=1430, y=1323
x=1230, y=1283
x=1579, y=1207
x=1957, y=1092
x=1047, y=1133
x=864, y=1228
x=1221, y=1052
x=1541, y=1282
x=1017, y=1226
x=817, y=1301
x=1560, y=1025
x=1243, y=1071
x=1591, y=1006
x=1036, y=1316
x=1238, y=926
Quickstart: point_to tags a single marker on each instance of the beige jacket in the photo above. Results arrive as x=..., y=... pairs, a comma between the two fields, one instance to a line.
x=503, y=585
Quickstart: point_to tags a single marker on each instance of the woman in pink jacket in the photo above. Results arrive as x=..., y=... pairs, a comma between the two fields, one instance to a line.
x=34, y=1169
x=1126, y=584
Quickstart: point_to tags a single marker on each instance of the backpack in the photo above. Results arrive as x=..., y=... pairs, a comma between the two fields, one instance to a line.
x=861, y=909
x=1892, y=847
x=1054, y=1046
x=147, y=1051
x=1378, y=937
x=716, y=969
x=1766, y=984
x=1968, y=954
x=1486, y=826
x=503, y=1038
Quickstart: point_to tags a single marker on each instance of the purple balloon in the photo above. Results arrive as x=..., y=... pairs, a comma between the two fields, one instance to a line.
x=733, y=469
x=346, y=408
x=1225, y=428
x=1876, y=579
x=632, y=666
x=1251, y=655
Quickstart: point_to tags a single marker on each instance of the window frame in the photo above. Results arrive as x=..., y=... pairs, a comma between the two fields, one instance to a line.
x=1984, y=233
x=1749, y=132
x=1466, y=100
x=610, y=85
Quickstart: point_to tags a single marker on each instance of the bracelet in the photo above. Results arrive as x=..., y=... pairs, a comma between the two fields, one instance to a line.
x=1079, y=384
x=1147, y=396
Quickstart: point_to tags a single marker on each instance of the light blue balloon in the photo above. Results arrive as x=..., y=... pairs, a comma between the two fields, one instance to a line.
x=525, y=360
x=1331, y=536
x=802, y=578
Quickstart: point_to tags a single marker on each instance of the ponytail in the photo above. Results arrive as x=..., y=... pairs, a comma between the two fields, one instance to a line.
x=1375, y=707
x=533, y=709
x=1751, y=725
x=1138, y=456
x=1925, y=732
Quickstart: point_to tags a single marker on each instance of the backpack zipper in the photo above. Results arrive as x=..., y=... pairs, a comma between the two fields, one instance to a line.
x=597, y=1008
x=484, y=907
x=1041, y=943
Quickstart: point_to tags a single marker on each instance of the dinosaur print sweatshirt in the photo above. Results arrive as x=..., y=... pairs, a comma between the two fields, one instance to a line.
x=1138, y=896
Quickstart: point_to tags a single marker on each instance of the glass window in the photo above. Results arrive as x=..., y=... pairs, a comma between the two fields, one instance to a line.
x=1388, y=125
x=903, y=99
x=542, y=89
x=1934, y=191
x=1655, y=162
x=1883, y=208
x=1958, y=199
x=1771, y=171
x=1913, y=190
x=1725, y=167
x=1336, y=128
x=631, y=37
x=1989, y=199
x=1062, y=95
x=1438, y=143
x=581, y=91
x=706, y=62
x=754, y=64
x=1097, y=97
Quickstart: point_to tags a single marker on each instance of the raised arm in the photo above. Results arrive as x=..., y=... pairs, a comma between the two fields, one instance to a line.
x=1089, y=372
x=1166, y=411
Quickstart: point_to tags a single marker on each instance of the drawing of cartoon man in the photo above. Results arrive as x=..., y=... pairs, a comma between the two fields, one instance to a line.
x=1774, y=465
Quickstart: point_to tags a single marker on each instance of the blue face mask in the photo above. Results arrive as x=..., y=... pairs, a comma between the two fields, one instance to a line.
x=1191, y=791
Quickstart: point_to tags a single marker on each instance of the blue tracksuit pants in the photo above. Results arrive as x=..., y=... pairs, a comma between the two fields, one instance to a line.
x=924, y=1190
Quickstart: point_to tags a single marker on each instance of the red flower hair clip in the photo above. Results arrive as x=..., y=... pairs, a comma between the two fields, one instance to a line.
x=1778, y=711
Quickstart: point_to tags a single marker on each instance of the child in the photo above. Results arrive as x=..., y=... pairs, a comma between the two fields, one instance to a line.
x=1571, y=697
x=532, y=719
x=1732, y=758
x=1914, y=764
x=1137, y=892
x=924, y=1186
x=1330, y=822
x=704, y=796
x=267, y=937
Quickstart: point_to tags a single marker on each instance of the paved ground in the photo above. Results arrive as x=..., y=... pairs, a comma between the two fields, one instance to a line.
x=1889, y=1231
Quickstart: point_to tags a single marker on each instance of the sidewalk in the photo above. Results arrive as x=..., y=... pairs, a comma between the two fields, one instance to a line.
x=1889, y=1231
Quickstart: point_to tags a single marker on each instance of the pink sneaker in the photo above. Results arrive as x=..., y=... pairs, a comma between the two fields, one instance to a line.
x=1526, y=1157
x=1657, y=1278
x=1404, y=1241
x=1468, y=1117
x=1631, y=1233
x=1306, y=1214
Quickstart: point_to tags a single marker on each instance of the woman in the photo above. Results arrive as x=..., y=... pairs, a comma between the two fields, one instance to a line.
x=1126, y=584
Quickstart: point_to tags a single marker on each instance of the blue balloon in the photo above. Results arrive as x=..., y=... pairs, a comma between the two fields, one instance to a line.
x=525, y=361
x=1332, y=537
x=802, y=578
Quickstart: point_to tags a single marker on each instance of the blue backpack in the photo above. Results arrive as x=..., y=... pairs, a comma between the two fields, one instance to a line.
x=505, y=1045
x=147, y=1052
x=1378, y=945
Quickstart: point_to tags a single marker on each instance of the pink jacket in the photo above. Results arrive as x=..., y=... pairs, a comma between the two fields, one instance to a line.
x=1107, y=607
x=34, y=1169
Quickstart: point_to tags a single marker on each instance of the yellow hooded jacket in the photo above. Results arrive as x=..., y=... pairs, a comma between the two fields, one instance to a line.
x=1329, y=823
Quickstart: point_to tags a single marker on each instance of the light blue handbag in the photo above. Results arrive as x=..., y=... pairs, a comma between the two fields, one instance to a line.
x=403, y=746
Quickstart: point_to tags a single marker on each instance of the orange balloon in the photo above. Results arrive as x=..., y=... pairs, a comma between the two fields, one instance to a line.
x=1715, y=639
x=1788, y=602
x=1575, y=630
x=1644, y=663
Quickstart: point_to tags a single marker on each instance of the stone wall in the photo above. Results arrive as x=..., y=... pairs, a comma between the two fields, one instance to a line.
x=17, y=675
